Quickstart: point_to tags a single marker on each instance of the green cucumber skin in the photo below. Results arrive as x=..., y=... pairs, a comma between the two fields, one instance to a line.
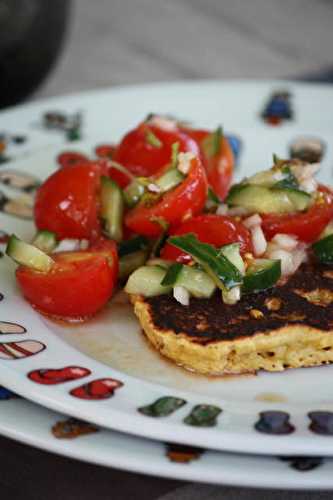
x=146, y=281
x=46, y=241
x=197, y=282
x=231, y=252
x=28, y=255
x=135, y=244
x=216, y=265
x=171, y=179
x=133, y=193
x=112, y=208
x=259, y=279
x=323, y=249
x=260, y=199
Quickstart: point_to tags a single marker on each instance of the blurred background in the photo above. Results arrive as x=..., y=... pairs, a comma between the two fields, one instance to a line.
x=62, y=46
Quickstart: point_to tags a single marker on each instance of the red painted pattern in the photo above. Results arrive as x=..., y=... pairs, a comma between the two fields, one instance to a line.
x=52, y=376
x=102, y=388
x=4, y=237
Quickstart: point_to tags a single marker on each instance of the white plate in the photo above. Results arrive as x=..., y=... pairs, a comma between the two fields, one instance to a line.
x=29, y=423
x=111, y=345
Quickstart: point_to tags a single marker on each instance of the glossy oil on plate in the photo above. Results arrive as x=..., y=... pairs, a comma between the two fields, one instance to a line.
x=103, y=371
x=29, y=423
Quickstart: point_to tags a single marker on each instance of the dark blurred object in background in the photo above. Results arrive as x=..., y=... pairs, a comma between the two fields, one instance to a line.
x=31, y=35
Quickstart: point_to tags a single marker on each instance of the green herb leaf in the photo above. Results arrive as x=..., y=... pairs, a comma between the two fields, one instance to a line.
x=289, y=181
x=276, y=159
x=153, y=140
x=212, y=196
x=219, y=268
x=172, y=274
x=212, y=144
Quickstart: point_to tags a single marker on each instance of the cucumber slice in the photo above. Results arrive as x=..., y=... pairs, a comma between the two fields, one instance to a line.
x=28, y=255
x=112, y=208
x=231, y=252
x=197, y=282
x=260, y=275
x=131, y=262
x=323, y=249
x=46, y=241
x=260, y=199
x=134, y=192
x=146, y=281
x=169, y=180
x=165, y=264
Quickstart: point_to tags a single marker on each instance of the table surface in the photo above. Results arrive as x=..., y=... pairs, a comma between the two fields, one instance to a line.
x=125, y=41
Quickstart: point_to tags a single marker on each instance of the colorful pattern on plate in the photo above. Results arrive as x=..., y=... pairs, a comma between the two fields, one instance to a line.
x=72, y=428
x=7, y=328
x=181, y=453
x=6, y=394
x=309, y=149
x=21, y=207
x=18, y=180
x=321, y=422
x=162, y=407
x=278, y=108
x=53, y=376
x=236, y=145
x=70, y=124
x=303, y=464
x=97, y=389
x=20, y=350
x=274, y=422
x=203, y=416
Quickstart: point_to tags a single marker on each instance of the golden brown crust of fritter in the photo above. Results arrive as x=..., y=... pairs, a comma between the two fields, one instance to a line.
x=288, y=326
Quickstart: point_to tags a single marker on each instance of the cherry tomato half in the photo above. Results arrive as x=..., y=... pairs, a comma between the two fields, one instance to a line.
x=174, y=207
x=220, y=166
x=105, y=151
x=144, y=158
x=77, y=286
x=214, y=229
x=308, y=225
x=67, y=202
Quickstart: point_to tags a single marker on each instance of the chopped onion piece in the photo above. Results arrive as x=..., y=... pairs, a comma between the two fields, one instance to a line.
x=67, y=245
x=309, y=185
x=153, y=188
x=222, y=209
x=184, y=162
x=286, y=258
x=254, y=220
x=232, y=296
x=163, y=123
x=259, y=242
x=181, y=295
x=285, y=241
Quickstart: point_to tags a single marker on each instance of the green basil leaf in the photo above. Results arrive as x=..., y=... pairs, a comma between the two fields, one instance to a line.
x=172, y=274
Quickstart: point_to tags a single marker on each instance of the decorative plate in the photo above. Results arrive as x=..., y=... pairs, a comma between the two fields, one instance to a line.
x=103, y=371
x=29, y=423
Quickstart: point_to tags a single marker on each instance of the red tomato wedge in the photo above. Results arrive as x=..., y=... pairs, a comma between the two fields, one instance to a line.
x=107, y=248
x=144, y=156
x=67, y=202
x=308, y=225
x=214, y=229
x=71, y=158
x=186, y=200
x=77, y=286
x=220, y=166
x=105, y=150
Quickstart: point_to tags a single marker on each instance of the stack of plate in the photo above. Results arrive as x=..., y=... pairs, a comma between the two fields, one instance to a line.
x=249, y=430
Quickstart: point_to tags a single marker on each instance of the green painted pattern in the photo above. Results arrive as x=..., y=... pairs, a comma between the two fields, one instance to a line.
x=162, y=407
x=203, y=416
